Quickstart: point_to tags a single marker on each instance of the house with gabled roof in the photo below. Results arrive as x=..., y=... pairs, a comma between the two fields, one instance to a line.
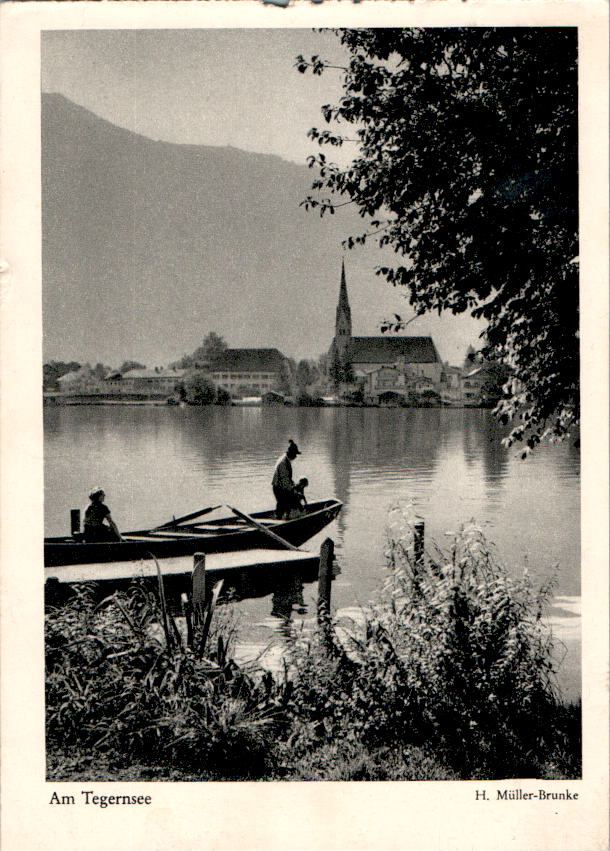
x=154, y=382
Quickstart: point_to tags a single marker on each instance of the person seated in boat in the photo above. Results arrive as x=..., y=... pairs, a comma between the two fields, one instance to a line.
x=299, y=499
x=299, y=490
x=284, y=489
x=99, y=525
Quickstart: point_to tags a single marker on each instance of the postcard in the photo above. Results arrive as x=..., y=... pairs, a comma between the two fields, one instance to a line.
x=304, y=366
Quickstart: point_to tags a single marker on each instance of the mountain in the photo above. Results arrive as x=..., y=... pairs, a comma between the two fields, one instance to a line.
x=149, y=245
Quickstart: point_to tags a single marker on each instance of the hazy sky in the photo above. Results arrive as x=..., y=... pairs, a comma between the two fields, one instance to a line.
x=224, y=87
x=209, y=87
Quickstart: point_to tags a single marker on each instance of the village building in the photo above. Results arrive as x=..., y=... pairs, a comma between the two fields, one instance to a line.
x=143, y=384
x=157, y=382
x=482, y=385
x=78, y=383
x=247, y=372
x=382, y=364
x=451, y=389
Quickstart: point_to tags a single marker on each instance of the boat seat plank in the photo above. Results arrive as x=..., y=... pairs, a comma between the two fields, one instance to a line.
x=217, y=529
x=139, y=538
x=169, y=536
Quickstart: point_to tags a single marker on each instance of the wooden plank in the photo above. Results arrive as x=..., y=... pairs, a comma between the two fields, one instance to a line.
x=198, y=583
x=327, y=552
x=186, y=517
x=198, y=530
x=138, y=539
x=176, y=536
x=75, y=521
x=216, y=563
x=208, y=615
x=262, y=528
x=325, y=576
x=418, y=543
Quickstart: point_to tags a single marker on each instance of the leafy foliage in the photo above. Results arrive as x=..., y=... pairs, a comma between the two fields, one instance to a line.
x=212, y=348
x=199, y=389
x=467, y=167
x=340, y=370
x=53, y=370
x=131, y=364
x=285, y=382
x=306, y=373
x=306, y=400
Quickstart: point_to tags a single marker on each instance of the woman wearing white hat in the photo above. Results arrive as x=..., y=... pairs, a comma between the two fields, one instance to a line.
x=99, y=525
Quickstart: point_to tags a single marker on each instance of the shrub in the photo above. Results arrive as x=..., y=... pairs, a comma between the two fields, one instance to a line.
x=198, y=389
x=353, y=397
x=471, y=641
x=454, y=656
x=305, y=400
x=223, y=397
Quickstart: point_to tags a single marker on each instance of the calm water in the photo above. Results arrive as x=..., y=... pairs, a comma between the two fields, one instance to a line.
x=159, y=462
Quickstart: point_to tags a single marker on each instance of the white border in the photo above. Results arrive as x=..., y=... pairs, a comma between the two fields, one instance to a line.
x=281, y=816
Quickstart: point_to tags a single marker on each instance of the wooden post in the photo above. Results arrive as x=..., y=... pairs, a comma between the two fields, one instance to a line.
x=198, y=585
x=325, y=577
x=75, y=521
x=186, y=611
x=208, y=616
x=418, y=543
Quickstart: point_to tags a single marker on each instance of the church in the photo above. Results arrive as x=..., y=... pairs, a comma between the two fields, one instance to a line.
x=384, y=363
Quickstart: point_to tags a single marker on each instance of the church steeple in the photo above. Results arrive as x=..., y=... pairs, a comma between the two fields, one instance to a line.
x=343, y=321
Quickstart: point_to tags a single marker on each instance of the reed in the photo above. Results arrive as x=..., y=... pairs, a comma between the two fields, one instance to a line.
x=119, y=682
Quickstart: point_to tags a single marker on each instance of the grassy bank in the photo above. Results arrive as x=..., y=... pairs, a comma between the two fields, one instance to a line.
x=449, y=676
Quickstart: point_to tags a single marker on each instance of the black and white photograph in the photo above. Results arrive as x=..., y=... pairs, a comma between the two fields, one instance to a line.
x=310, y=469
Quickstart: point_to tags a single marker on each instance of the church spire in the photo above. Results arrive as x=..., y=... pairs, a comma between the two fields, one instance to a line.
x=343, y=322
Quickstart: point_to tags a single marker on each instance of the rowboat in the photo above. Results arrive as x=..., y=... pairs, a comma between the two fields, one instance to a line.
x=186, y=535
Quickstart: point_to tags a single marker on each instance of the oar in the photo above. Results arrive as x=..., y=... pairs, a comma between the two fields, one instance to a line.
x=262, y=528
x=177, y=520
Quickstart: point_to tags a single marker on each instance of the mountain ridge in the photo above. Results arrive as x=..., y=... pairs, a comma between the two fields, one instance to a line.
x=148, y=245
x=64, y=102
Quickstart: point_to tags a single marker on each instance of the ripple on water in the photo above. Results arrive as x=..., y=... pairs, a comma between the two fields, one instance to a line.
x=156, y=463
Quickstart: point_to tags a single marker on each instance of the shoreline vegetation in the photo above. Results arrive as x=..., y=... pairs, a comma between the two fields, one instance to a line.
x=303, y=401
x=449, y=675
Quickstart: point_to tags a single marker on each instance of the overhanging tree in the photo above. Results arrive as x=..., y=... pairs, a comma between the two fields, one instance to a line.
x=467, y=167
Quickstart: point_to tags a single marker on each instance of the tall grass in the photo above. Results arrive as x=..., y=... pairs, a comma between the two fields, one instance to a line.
x=115, y=684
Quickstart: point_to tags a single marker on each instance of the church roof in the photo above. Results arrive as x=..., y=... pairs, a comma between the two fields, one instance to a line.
x=392, y=349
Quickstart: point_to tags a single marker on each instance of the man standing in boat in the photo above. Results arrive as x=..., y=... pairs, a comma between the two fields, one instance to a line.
x=286, y=496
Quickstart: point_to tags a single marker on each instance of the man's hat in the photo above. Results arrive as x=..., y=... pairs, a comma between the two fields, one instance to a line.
x=95, y=492
x=292, y=447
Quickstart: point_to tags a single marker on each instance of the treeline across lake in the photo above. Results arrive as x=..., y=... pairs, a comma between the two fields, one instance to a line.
x=449, y=674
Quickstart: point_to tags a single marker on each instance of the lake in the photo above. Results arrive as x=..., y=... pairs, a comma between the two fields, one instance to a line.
x=156, y=462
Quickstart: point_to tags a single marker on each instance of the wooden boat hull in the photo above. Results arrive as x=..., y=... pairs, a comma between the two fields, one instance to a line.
x=195, y=537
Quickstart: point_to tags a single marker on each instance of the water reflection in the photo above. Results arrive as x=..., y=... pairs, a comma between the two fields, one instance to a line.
x=157, y=462
x=482, y=436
